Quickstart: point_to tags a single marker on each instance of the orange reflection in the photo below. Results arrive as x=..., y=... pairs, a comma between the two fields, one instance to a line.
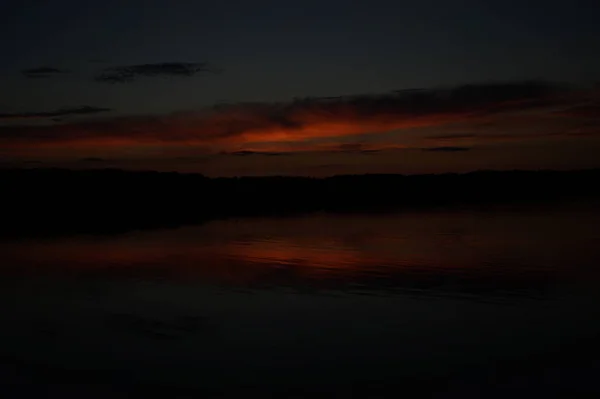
x=329, y=247
x=290, y=252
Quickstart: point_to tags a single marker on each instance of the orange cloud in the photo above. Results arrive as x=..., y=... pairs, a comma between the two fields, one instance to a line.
x=230, y=126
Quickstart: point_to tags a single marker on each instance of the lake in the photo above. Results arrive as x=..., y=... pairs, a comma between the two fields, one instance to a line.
x=489, y=302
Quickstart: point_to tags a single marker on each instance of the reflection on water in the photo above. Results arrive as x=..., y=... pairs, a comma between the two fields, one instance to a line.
x=493, y=251
x=458, y=297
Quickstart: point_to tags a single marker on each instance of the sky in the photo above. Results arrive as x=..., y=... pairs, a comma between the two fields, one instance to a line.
x=300, y=88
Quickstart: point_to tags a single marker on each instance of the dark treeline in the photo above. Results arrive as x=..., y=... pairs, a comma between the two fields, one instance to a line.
x=57, y=201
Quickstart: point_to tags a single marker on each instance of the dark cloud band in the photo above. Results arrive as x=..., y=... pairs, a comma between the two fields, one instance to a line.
x=129, y=73
x=43, y=72
x=63, y=112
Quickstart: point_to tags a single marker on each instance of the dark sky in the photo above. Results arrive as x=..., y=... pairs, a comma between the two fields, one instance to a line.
x=131, y=83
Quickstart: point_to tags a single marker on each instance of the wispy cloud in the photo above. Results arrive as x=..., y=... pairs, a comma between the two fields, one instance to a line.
x=43, y=72
x=129, y=73
x=451, y=137
x=591, y=111
x=93, y=160
x=446, y=149
x=55, y=115
x=245, y=153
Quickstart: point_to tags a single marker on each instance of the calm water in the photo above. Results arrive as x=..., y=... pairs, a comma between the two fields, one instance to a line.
x=496, y=302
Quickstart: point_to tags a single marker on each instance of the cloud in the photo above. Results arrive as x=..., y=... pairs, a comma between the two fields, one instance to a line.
x=129, y=73
x=360, y=124
x=351, y=147
x=92, y=160
x=43, y=72
x=450, y=137
x=358, y=148
x=584, y=131
x=591, y=111
x=446, y=149
x=54, y=115
x=483, y=137
x=245, y=153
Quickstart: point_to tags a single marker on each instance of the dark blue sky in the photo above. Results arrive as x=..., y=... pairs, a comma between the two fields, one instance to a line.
x=275, y=50
x=132, y=83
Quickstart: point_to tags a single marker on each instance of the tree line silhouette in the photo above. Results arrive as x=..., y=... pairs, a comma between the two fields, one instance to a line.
x=57, y=201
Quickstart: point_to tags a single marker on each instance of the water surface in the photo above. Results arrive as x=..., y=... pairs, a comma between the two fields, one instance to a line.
x=494, y=301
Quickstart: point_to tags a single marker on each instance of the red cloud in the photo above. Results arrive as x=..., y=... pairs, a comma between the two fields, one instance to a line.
x=231, y=126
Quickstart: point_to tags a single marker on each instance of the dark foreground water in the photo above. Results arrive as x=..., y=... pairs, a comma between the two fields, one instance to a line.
x=495, y=302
